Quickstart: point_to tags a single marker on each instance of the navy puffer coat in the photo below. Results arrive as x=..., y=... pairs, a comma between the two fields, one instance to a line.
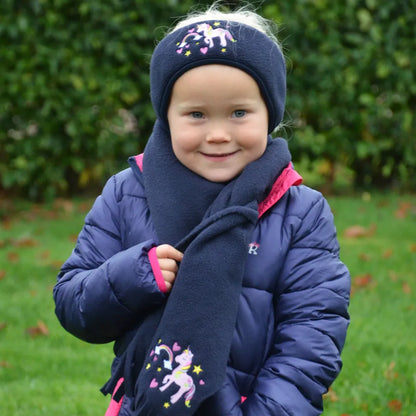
x=292, y=319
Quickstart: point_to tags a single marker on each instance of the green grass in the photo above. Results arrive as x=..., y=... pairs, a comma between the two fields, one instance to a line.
x=52, y=373
x=379, y=374
x=45, y=371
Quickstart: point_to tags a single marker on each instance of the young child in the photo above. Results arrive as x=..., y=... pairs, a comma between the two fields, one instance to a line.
x=216, y=273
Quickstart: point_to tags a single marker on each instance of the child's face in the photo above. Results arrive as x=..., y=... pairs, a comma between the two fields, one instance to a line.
x=218, y=121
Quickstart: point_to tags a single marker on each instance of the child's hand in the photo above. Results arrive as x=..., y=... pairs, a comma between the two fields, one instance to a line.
x=168, y=258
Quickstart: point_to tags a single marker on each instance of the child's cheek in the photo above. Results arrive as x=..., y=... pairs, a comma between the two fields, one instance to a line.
x=186, y=140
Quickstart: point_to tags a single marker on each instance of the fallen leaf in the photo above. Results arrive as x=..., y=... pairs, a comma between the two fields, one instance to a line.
x=2, y=274
x=395, y=405
x=390, y=373
x=364, y=257
x=413, y=248
x=387, y=253
x=56, y=264
x=13, y=257
x=45, y=255
x=383, y=203
x=357, y=231
x=406, y=288
x=366, y=196
x=6, y=223
x=331, y=395
x=84, y=207
x=73, y=238
x=39, y=330
x=25, y=242
x=51, y=215
x=362, y=282
x=5, y=364
x=403, y=210
x=393, y=276
x=32, y=214
x=3, y=325
x=65, y=205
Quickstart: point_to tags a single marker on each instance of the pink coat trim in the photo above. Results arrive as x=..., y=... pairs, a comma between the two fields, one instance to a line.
x=114, y=407
x=154, y=262
x=139, y=161
x=289, y=177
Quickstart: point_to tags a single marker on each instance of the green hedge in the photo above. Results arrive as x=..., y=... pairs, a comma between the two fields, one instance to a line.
x=352, y=85
x=74, y=99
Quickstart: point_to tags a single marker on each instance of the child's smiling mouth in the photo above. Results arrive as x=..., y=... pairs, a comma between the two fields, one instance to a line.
x=219, y=156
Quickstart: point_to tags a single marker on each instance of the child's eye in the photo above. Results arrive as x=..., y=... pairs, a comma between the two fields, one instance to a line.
x=239, y=113
x=197, y=114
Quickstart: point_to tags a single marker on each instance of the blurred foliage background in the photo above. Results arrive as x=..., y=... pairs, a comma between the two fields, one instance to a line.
x=74, y=89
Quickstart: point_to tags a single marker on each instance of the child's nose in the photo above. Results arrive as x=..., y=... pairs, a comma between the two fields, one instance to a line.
x=218, y=133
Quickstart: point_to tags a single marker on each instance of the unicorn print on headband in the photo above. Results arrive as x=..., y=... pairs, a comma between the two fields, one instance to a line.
x=206, y=40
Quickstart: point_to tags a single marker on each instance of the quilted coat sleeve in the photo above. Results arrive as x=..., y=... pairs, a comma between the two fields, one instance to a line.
x=311, y=314
x=106, y=286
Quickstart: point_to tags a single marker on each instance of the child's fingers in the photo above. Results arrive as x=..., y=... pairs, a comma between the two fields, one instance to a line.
x=166, y=251
x=168, y=265
x=169, y=278
x=168, y=286
x=168, y=258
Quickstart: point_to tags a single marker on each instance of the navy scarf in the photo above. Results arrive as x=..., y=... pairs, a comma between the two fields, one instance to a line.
x=178, y=355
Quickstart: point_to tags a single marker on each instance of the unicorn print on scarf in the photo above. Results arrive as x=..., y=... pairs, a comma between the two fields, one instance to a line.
x=179, y=375
x=209, y=33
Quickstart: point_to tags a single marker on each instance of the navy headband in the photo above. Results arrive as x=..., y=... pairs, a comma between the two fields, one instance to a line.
x=219, y=42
